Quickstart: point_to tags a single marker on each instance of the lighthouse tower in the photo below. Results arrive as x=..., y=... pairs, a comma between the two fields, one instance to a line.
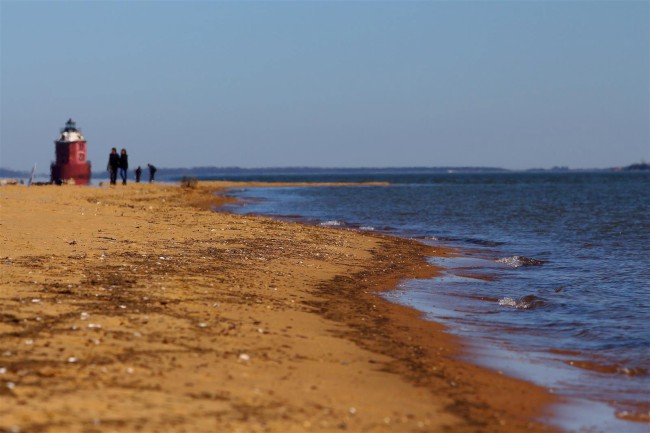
x=71, y=165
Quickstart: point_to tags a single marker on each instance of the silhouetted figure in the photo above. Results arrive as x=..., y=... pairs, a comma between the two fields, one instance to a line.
x=152, y=172
x=113, y=165
x=138, y=173
x=124, y=165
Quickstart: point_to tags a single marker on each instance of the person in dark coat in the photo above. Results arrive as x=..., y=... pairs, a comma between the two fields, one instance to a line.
x=152, y=172
x=113, y=165
x=138, y=173
x=124, y=165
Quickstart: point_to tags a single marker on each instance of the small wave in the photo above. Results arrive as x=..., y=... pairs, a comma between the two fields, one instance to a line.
x=518, y=261
x=483, y=242
x=608, y=368
x=367, y=228
x=332, y=223
x=475, y=241
x=529, y=302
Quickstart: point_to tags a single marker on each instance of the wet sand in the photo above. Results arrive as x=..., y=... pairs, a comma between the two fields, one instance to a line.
x=138, y=308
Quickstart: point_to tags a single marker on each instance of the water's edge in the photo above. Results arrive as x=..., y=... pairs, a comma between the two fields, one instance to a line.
x=580, y=414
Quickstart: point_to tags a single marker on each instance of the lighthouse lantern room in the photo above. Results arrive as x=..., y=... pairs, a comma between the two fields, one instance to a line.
x=71, y=165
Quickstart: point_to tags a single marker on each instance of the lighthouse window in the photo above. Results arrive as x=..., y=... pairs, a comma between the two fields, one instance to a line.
x=82, y=156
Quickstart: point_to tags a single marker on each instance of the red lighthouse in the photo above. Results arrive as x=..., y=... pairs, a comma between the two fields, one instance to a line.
x=71, y=164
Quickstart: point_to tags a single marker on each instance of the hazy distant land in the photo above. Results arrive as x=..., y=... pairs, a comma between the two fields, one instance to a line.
x=235, y=172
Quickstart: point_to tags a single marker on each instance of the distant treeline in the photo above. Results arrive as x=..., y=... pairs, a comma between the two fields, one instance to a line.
x=6, y=173
x=640, y=166
x=249, y=173
x=203, y=172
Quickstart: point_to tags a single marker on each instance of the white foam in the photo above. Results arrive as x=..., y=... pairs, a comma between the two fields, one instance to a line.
x=332, y=223
x=508, y=302
x=529, y=302
x=517, y=261
x=513, y=262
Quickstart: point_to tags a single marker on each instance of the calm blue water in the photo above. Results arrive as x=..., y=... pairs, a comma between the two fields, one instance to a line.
x=575, y=319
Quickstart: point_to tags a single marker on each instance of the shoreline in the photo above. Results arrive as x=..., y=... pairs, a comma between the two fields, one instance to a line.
x=594, y=389
x=248, y=322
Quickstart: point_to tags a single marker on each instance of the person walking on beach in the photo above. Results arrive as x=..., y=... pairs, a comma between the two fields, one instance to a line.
x=138, y=173
x=113, y=165
x=152, y=172
x=124, y=165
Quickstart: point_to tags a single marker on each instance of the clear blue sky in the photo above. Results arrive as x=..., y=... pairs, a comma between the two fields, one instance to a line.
x=515, y=84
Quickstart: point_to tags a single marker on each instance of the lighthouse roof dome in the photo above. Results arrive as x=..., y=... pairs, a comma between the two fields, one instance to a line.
x=70, y=124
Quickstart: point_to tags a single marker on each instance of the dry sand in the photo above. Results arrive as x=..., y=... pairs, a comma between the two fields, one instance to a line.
x=139, y=309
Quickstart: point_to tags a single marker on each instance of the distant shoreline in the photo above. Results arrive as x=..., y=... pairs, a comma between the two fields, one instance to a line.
x=232, y=173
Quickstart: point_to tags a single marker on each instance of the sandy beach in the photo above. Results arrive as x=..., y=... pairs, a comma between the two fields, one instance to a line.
x=139, y=308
